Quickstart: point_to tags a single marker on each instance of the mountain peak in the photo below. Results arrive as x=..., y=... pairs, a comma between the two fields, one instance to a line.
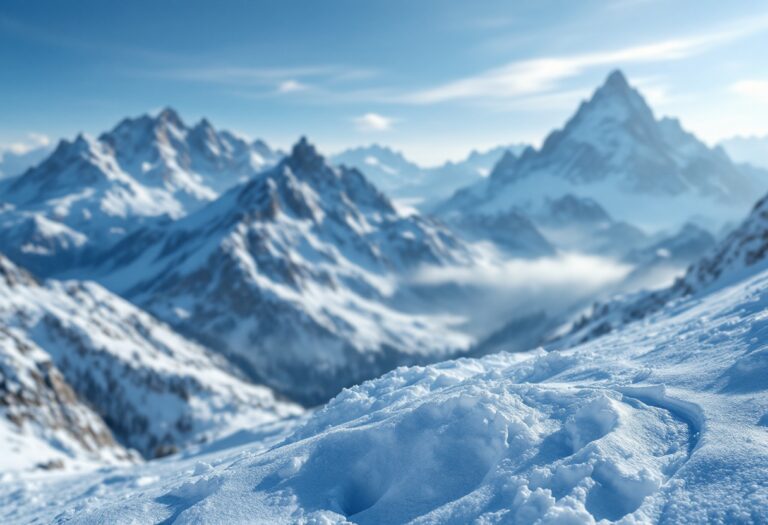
x=615, y=101
x=204, y=124
x=616, y=81
x=170, y=116
x=305, y=157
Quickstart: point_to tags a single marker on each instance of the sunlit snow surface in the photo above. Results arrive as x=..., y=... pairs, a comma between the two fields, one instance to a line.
x=665, y=421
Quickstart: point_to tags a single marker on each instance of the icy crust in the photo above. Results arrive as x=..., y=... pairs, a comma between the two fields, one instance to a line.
x=483, y=447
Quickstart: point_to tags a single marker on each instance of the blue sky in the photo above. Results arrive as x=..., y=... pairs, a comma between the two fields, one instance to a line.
x=432, y=78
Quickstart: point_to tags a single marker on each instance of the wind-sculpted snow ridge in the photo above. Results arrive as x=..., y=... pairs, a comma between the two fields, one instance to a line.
x=157, y=391
x=741, y=254
x=91, y=192
x=292, y=275
x=664, y=422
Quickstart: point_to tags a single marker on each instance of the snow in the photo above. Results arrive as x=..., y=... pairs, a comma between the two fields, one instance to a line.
x=405, y=180
x=648, y=172
x=158, y=390
x=295, y=273
x=662, y=422
x=143, y=171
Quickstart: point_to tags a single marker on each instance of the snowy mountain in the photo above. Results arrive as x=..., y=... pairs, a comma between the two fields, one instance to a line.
x=76, y=343
x=91, y=192
x=648, y=172
x=402, y=179
x=388, y=169
x=662, y=422
x=511, y=231
x=659, y=263
x=292, y=276
x=751, y=150
x=581, y=224
x=43, y=423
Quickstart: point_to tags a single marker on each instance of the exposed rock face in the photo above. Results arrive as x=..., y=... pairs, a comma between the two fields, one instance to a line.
x=43, y=423
x=155, y=390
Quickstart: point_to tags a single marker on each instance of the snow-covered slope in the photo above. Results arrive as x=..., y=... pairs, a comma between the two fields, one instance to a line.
x=648, y=172
x=752, y=150
x=91, y=192
x=663, y=422
x=157, y=391
x=43, y=423
x=291, y=275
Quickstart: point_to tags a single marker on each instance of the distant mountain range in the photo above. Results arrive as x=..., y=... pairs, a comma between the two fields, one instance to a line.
x=743, y=253
x=91, y=192
x=254, y=274
x=751, y=150
x=403, y=179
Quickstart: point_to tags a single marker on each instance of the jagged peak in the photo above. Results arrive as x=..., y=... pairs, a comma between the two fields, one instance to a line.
x=615, y=100
x=171, y=116
x=79, y=145
x=617, y=89
x=617, y=81
x=205, y=125
x=305, y=157
x=504, y=165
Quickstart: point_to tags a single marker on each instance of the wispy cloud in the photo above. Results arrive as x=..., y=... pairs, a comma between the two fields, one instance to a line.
x=373, y=122
x=286, y=78
x=569, y=269
x=754, y=89
x=504, y=288
x=291, y=86
x=539, y=75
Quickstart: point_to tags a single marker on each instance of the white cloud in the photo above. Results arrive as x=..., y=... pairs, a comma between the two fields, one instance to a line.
x=373, y=122
x=498, y=290
x=534, y=76
x=33, y=141
x=754, y=89
x=290, y=86
x=571, y=270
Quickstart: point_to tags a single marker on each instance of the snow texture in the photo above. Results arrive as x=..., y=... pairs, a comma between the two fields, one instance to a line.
x=663, y=422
